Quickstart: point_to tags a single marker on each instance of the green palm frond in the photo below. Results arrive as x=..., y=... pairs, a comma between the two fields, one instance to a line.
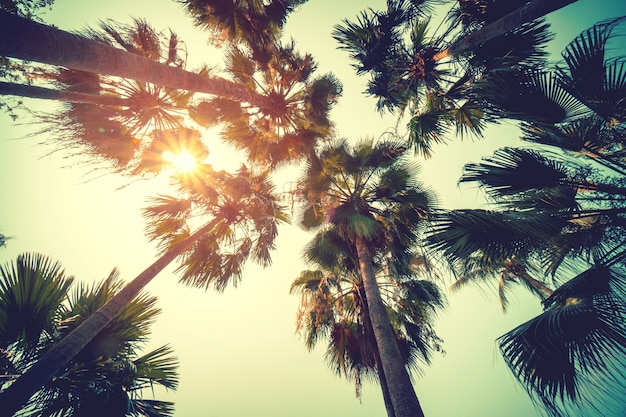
x=427, y=129
x=151, y=408
x=103, y=375
x=527, y=95
x=369, y=40
x=512, y=170
x=132, y=325
x=524, y=47
x=157, y=367
x=32, y=290
x=495, y=236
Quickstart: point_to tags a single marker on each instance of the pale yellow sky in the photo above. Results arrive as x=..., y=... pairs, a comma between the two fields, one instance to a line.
x=238, y=351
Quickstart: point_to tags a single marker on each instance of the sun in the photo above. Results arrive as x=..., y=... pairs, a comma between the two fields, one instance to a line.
x=183, y=161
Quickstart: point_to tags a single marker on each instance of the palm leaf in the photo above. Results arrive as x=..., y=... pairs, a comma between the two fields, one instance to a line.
x=574, y=352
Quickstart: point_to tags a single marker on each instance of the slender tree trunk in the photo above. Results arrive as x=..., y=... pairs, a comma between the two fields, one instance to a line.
x=68, y=96
x=403, y=397
x=531, y=11
x=365, y=316
x=24, y=39
x=55, y=359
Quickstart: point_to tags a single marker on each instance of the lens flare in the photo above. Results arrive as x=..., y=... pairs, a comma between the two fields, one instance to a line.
x=183, y=161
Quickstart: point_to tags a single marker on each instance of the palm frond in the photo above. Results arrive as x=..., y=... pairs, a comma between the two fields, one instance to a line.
x=572, y=355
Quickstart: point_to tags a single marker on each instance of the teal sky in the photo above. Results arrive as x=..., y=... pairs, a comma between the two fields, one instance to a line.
x=238, y=351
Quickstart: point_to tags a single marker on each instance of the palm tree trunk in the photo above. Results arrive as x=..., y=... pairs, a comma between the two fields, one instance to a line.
x=24, y=39
x=403, y=397
x=365, y=316
x=531, y=11
x=68, y=96
x=53, y=361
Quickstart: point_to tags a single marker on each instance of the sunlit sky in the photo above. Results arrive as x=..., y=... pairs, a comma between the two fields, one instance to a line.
x=239, y=354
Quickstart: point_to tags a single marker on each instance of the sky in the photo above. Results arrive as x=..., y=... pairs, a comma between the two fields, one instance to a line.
x=238, y=350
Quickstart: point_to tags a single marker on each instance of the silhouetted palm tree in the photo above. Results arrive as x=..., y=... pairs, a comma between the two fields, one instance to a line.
x=238, y=216
x=38, y=308
x=409, y=75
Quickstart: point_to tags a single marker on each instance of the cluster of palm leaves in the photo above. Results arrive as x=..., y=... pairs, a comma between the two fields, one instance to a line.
x=334, y=307
x=559, y=212
x=116, y=119
x=40, y=304
x=411, y=74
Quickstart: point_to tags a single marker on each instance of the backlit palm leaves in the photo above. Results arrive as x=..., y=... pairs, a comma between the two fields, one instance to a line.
x=564, y=212
x=403, y=57
x=120, y=134
x=294, y=116
x=255, y=24
x=38, y=308
x=240, y=213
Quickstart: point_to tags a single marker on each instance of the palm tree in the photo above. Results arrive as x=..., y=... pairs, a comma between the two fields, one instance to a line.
x=238, y=216
x=334, y=306
x=38, y=308
x=275, y=111
x=368, y=196
x=564, y=211
x=407, y=69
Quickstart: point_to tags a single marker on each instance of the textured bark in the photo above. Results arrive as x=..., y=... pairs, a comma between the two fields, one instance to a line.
x=403, y=397
x=55, y=359
x=21, y=90
x=24, y=39
x=365, y=316
x=531, y=11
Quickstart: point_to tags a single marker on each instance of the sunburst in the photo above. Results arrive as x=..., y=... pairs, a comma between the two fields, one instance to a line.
x=183, y=161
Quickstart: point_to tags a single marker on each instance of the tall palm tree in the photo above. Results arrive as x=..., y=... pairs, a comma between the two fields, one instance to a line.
x=334, y=307
x=31, y=41
x=238, y=216
x=564, y=211
x=38, y=308
x=368, y=196
x=276, y=111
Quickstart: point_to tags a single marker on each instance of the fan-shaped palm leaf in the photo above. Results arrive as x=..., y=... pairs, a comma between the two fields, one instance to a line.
x=572, y=355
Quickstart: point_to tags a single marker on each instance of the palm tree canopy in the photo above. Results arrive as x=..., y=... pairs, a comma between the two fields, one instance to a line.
x=296, y=114
x=245, y=213
x=577, y=343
